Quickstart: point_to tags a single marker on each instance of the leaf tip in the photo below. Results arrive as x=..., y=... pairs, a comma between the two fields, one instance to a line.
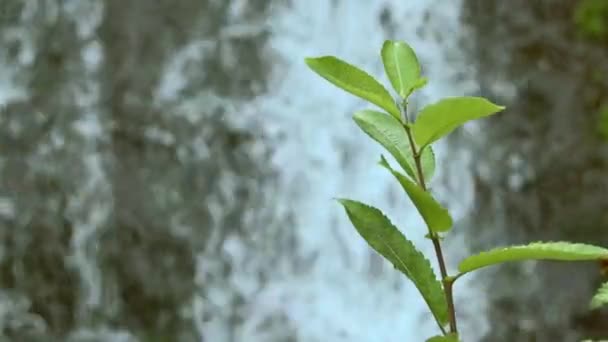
x=383, y=162
x=386, y=43
x=343, y=201
x=496, y=107
x=310, y=60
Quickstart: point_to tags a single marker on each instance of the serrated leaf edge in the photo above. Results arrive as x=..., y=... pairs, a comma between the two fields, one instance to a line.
x=532, y=245
x=440, y=319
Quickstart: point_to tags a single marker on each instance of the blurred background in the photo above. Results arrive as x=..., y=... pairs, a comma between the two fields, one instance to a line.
x=168, y=169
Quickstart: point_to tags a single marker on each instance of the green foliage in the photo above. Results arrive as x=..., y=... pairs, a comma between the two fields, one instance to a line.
x=401, y=66
x=591, y=18
x=391, y=134
x=436, y=217
x=387, y=240
x=603, y=122
x=420, y=83
x=556, y=251
x=446, y=338
x=439, y=119
x=355, y=81
x=410, y=144
x=601, y=297
x=428, y=164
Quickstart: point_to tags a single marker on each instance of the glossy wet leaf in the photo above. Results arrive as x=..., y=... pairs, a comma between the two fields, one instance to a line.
x=389, y=242
x=556, y=251
x=401, y=66
x=439, y=119
x=355, y=81
x=436, y=217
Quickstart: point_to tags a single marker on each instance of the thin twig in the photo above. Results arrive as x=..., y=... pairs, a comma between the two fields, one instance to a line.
x=447, y=282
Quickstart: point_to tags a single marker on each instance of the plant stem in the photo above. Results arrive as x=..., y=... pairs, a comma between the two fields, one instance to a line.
x=447, y=282
x=447, y=287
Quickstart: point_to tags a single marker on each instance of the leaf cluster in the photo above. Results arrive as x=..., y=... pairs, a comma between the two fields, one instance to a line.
x=409, y=142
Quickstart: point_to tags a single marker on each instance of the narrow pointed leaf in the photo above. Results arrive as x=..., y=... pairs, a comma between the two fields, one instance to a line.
x=437, y=218
x=556, y=251
x=389, y=133
x=441, y=338
x=355, y=81
x=601, y=297
x=439, y=119
x=389, y=242
x=401, y=66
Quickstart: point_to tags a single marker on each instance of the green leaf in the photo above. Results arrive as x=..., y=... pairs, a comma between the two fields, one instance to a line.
x=389, y=242
x=601, y=297
x=391, y=134
x=437, y=218
x=401, y=66
x=556, y=251
x=448, y=338
x=439, y=119
x=421, y=82
x=427, y=161
x=355, y=81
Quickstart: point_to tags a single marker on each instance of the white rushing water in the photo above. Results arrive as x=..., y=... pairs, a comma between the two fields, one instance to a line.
x=342, y=295
x=344, y=292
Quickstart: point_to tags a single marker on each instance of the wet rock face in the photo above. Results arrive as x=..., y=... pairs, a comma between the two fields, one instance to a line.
x=543, y=178
x=152, y=273
x=34, y=268
x=109, y=196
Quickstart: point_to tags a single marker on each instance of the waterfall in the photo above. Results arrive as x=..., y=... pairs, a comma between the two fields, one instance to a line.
x=154, y=215
x=343, y=292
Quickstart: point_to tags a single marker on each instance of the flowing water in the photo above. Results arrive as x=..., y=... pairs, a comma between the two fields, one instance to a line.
x=298, y=271
x=345, y=293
